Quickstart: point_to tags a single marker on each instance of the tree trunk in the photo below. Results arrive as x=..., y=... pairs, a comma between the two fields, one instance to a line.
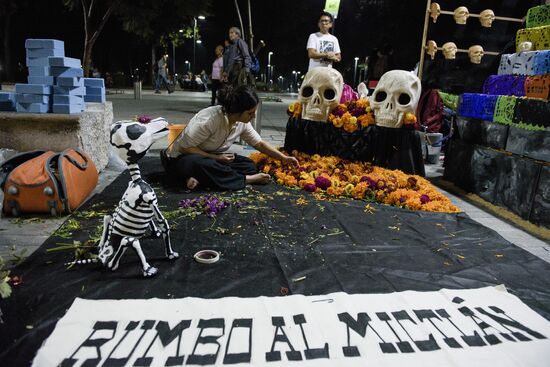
x=240, y=18
x=91, y=35
x=250, y=33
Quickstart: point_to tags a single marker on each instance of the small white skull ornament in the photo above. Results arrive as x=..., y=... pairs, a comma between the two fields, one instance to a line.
x=461, y=15
x=397, y=93
x=320, y=93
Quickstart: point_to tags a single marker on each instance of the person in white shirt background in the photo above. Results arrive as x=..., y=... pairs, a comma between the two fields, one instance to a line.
x=322, y=47
x=199, y=155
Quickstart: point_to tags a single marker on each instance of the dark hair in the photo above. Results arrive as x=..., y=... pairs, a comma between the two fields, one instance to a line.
x=237, y=100
x=326, y=14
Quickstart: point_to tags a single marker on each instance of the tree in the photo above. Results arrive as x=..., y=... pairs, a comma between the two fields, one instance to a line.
x=96, y=13
x=159, y=22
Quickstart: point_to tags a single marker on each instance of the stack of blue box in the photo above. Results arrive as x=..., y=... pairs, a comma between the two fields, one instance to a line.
x=95, y=90
x=7, y=101
x=69, y=91
x=36, y=96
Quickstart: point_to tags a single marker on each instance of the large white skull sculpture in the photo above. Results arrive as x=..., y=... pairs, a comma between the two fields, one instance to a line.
x=397, y=93
x=320, y=93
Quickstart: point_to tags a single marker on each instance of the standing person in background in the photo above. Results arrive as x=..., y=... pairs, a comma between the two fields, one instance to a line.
x=322, y=47
x=217, y=67
x=237, y=61
x=162, y=77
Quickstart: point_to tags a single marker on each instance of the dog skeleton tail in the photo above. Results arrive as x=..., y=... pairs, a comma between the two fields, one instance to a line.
x=95, y=260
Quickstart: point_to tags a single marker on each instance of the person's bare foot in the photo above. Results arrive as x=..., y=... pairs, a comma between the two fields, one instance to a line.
x=258, y=178
x=191, y=183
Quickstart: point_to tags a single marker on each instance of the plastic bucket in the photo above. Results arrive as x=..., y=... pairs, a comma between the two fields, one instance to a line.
x=434, y=141
x=173, y=131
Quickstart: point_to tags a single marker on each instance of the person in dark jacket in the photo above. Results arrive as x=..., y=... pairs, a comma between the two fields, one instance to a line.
x=237, y=60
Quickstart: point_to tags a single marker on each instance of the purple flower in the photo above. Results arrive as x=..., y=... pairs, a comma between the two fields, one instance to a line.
x=372, y=183
x=310, y=187
x=144, y=119
x=322, y=182
x=424, y=199
x=402, y=200
x=357, y=112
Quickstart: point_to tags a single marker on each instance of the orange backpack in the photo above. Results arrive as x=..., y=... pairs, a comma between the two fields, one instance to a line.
x=50, y=182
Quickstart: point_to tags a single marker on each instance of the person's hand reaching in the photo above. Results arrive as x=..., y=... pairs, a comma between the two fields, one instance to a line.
x=225, y=157
x=290, y=160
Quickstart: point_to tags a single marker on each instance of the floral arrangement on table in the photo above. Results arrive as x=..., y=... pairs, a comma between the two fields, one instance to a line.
x=333, y=176
x=350, y=116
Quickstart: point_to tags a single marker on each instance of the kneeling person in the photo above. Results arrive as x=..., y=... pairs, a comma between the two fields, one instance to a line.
x=199, y=155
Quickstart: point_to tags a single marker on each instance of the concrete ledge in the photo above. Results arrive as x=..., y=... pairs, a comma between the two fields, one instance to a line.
x=88, y=131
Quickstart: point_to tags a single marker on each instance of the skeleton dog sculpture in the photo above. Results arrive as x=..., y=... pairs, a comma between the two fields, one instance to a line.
x=137, y=211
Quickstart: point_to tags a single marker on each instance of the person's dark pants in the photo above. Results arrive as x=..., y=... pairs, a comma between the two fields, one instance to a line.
x=216, y=84
x=209, y=172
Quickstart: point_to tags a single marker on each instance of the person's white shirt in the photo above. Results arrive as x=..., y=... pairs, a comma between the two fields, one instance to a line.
x=322, y=43
x=209, y=131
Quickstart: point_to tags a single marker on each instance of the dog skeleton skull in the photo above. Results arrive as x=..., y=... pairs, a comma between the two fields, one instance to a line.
x=320, y=93
x=397, y=93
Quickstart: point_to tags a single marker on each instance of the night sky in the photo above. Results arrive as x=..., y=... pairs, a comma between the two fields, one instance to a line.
x=361, y=26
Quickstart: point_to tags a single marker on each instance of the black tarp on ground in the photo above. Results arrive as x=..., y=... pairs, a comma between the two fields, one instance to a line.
x=267, y=244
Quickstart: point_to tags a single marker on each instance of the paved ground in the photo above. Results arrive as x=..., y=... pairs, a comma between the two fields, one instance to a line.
x=179, y=107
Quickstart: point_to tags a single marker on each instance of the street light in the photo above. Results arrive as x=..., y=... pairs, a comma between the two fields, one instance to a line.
x=186, y=65
x=294, y=79
x=201, y=17
x=354, y=72
x=269, y=63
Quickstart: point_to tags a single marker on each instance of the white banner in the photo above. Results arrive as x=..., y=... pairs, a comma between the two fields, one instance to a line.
x=479, y=327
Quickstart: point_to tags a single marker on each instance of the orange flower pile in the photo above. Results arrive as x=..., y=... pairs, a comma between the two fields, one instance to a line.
x=333, y=176
x=350, y=116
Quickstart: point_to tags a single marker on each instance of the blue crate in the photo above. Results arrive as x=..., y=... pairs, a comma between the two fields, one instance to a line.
x=45, y=52
x=67, y=62
x=70, y=82
x=39, y=61
x=47, y=80
x=68, y=108
x=66, y=72
x=32, y=98
x=94, y=82
x=39, y=71
x=44, y=43
x=96, y=91
x=69, y=91
x=33, y=88
x=7, y=96
x=7, y=106
x=94, y=98
x=33, y=107
x=63, y=99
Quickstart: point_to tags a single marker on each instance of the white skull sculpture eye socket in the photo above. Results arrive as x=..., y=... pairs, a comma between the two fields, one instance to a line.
x=396, y=94
x=320, y=93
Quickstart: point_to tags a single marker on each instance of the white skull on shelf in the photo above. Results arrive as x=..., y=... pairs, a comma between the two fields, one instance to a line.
x=397, y=93
x=461, y=15
x=320, y=93
x=435, y=11
x=475, y=53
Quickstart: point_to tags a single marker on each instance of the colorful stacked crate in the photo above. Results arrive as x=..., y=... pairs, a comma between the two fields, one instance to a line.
x=95, y=90
x=69, y=91
x=36, y=95
x=7, y=101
